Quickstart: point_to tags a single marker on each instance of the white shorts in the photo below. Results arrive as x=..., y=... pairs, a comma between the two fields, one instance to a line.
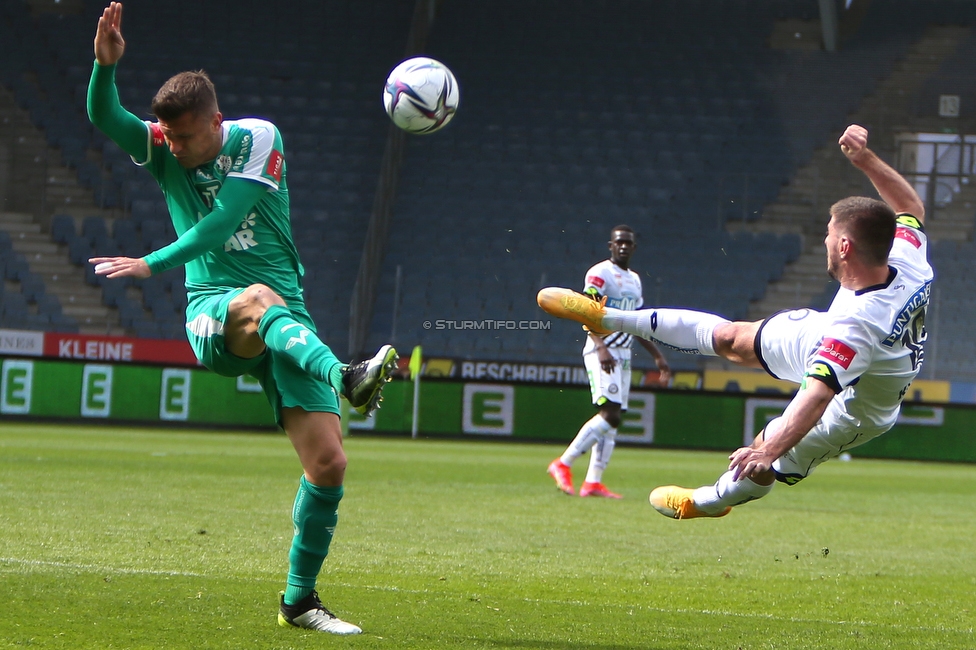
x=613, y=386
x=836, y=432
x=785, y=344
x=787, y=340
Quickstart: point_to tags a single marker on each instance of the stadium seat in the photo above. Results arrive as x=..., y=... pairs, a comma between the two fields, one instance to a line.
x=50, y=305
x=93, y=227
x=17, y=268
x=31, y=287
x=62, y=228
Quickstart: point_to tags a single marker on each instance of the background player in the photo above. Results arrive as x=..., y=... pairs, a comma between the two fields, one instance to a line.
x=607, y=361
x=225, y=186
x=854, y=363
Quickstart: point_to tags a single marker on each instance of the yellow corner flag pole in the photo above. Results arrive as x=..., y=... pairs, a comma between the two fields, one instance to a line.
x=416, y=362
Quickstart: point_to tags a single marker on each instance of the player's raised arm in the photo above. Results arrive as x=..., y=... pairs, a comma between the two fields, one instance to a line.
x=109, y=44
x=104, y=109
x=892, y=186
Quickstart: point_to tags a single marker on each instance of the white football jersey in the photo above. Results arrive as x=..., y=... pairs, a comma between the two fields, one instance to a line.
x=873, y=338
x=622, y=287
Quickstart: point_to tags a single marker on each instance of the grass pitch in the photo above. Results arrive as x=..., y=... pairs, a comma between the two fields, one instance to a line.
x=138, y=538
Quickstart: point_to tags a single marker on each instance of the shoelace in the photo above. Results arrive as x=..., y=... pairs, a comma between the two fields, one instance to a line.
x=319, y=606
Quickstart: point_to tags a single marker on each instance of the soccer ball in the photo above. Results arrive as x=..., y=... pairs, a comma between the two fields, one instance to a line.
x=421, y=95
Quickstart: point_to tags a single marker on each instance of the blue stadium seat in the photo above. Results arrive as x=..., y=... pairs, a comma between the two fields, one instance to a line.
x=92, y=227
x=62, y=228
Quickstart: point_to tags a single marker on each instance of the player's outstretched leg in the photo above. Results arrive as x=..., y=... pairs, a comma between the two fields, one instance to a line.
x=363, y=382
x=311, y=614
x=709, y=500
x=566, y=303
x=684, y=330
x=677, y=503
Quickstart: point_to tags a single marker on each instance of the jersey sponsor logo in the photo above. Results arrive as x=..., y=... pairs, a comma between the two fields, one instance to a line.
x=628, y=303
x=837, y=351
x=244, y=154
x=909, y=236
x=276, y=164
x=918, y=300
x=207, y=189
x=243, y=239
x=158, y=139
x=596, y=281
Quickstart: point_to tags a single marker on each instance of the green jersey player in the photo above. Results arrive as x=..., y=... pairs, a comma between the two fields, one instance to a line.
x=225, y=187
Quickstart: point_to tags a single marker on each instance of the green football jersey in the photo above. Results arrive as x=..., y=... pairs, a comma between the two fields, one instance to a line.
x=259, y=247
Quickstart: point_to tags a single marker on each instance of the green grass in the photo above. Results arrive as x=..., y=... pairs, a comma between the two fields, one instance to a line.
x=127, y=538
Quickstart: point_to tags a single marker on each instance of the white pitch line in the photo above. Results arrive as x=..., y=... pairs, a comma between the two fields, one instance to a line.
x=662, y=610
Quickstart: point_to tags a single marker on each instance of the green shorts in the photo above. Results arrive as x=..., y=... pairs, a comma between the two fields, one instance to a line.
x=285, y=384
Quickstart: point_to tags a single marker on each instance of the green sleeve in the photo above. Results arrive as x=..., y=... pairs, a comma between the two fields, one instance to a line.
x=235, y=198
x=106, y=112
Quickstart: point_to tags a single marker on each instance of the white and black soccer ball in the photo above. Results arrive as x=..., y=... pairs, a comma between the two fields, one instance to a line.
x=421, y=95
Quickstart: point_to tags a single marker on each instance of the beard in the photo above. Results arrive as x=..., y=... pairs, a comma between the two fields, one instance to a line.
x=832, y=270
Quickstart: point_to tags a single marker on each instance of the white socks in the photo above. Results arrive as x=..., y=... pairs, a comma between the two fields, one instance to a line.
x=592, y=432
x=684, y=330
x=600, y=456
x=726, y=492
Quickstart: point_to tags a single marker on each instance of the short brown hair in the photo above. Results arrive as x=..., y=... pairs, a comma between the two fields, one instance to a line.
x=870, y=224
x=186, y=92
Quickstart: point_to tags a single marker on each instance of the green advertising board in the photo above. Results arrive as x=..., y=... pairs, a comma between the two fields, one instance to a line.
x=58, y=389
x=690, y=420
x=538, y=412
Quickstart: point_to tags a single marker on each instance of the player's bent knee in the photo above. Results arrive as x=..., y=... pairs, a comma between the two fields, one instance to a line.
x=251, y=303
x=327, y=469
x=736, y=341
x=613, y=419
x=262, y=295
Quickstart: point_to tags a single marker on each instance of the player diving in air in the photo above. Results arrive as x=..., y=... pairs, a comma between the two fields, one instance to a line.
x=853, y=363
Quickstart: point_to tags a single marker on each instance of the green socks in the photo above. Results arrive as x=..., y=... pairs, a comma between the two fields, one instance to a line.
x=315, y=515
x=316, y=509
x=287, y=336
